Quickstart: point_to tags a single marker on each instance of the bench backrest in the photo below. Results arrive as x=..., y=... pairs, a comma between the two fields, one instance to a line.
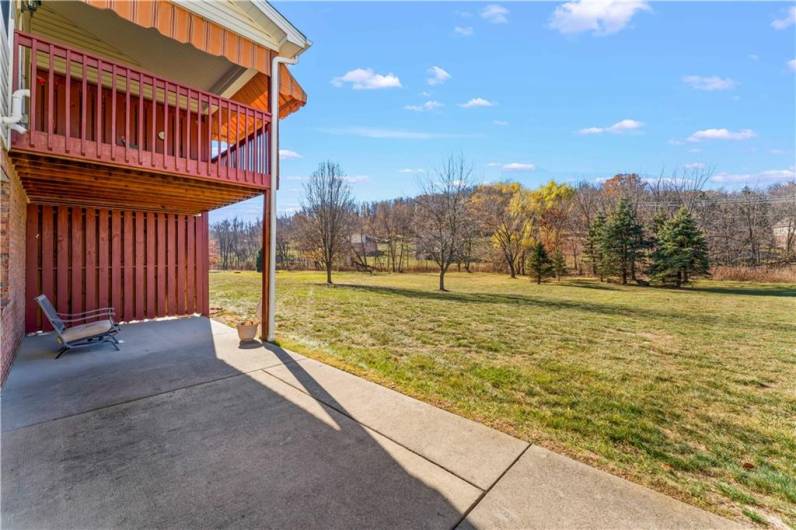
x=51, y=314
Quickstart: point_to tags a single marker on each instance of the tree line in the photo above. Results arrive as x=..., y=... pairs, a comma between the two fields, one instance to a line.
x=626, y=229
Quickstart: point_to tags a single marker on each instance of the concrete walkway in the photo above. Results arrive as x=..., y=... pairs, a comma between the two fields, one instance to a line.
x=185, y=428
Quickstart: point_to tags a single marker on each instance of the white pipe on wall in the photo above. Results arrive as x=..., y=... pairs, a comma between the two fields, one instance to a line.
x=271, y=324
x=16, y=111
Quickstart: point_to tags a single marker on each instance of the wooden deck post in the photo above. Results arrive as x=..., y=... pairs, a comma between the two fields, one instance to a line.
x=266, y=265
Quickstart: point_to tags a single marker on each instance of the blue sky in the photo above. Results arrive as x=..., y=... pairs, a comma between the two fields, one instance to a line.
x=538, y=91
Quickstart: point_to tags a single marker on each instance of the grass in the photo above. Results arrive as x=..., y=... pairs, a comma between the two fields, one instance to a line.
x=691, y=392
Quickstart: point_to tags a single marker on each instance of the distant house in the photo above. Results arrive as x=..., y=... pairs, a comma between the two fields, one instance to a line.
x=785, y=234
x=365, y=245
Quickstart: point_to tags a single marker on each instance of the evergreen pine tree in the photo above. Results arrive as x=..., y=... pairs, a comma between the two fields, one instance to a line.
x=559, y=264
x=258, y=263
x=594, y=245
x=621, y=242
x=681, y=250
x=539, y=262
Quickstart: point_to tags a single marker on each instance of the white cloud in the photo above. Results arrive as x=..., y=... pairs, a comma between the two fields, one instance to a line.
x=788, y=20
x=494, y=164
x=501, y=123
x=753, y=57
x=768, y=176
x=411, y=171
x=792, y=64
x=393, y=134
x=287, y=154
x=695, y=165
x=721, y=134
x=464, y=31
x=617, y=128
x=601, y=17
x=495, y=14
x=709, y=83
x=518, y=166
x=367, y=79
x=437, y=76
x=428, y=105
x=477, y=102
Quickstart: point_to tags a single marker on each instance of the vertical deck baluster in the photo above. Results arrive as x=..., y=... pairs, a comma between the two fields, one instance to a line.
x=113, y=112
x=33, y=90
x=177, y=136
x=218, y=140
x=257, y=143
x=140, y=117
x=127, y=115
x=229, y=144
x=50, y=97
x=199, y=115
x=188, y=130
x=165, y=120
x=153, y=144
x=67, y=94
x=83, y=103
x=237, y=142
x=98, y=111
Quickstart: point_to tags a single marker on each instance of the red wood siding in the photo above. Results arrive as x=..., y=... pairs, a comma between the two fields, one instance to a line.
x=143, y=264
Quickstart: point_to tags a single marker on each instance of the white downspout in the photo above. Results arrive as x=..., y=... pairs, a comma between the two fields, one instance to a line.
x=275, y=62
x=12, y=122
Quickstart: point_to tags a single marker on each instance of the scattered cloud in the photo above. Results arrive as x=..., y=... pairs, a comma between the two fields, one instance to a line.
x=753, y=57
x=437, y=76
x=411, y=171
x=600, y=17
x=477, y=102
x=294, y=177
x=501, y=123
x=709, y=83
x=464, y=31
x=694, y=165
x=777, y=151
x=768, y=176
x=425, y=94
x=287, y=154
x=428, y=105
x=788, y=20
x=367, y=79
x=393, y=134
x=496, y=14
x=518, y=166
x=792, y=65
x=721, y=134
x=619, y=127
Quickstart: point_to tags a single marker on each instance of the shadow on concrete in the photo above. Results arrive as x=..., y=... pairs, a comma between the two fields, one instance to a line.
x=184, y=428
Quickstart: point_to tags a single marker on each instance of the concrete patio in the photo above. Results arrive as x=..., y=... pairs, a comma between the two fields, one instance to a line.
x=186, y=428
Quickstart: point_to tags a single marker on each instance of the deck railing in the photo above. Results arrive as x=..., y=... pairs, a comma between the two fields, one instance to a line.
x=90, y=108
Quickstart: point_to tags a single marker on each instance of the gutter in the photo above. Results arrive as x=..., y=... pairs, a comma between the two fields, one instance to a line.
x=274, y=157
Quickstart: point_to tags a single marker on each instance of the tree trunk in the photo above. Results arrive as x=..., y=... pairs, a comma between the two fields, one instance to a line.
x=512, y=271
x=442, y=279
x=538, y=279
x=328, y=274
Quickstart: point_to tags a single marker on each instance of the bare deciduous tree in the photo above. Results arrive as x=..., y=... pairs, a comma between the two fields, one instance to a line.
x=326, y=214
x=443, y=214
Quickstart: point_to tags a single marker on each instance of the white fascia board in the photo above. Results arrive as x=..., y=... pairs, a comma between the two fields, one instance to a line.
x=292, y=34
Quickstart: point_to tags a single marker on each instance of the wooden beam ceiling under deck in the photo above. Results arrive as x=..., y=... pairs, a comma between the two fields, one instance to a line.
x=50, y=180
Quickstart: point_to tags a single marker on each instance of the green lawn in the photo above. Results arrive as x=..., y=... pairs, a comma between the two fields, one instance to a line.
x=691, y=392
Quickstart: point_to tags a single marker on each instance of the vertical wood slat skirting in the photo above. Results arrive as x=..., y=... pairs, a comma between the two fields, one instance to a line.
x=144, y=265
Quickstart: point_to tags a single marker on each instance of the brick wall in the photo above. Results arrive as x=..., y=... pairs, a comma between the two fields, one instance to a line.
x=13, y=207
